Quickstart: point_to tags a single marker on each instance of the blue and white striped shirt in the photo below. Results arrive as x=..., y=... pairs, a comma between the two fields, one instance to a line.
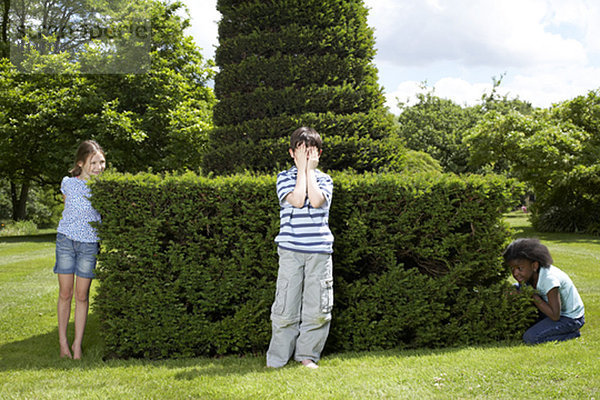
x=305, y=229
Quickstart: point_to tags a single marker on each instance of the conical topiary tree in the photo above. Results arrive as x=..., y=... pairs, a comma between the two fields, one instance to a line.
x=287, y=63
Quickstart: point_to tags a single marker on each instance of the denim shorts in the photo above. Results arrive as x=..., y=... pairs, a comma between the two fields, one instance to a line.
x=73, y=257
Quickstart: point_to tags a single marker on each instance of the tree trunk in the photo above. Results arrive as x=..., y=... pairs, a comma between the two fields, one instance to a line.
x=4, y=45
x=19, y=200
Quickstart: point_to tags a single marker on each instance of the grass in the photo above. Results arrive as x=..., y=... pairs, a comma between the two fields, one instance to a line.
x=31, y=369
x=20, y=228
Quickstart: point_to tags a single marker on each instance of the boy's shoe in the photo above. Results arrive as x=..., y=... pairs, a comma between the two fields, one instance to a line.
x=309, y=364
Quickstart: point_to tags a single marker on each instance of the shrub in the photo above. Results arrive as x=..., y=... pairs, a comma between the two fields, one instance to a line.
x=188, y=265
x=18, y=228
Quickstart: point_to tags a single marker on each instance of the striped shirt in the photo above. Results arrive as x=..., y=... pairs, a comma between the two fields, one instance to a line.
x=306, y=229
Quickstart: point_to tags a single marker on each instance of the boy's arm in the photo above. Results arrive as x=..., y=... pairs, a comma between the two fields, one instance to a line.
x=315, y=195
x=552, y=308
x=297, y=197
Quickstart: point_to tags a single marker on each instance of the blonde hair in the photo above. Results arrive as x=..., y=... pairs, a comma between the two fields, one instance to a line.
x=84, y=151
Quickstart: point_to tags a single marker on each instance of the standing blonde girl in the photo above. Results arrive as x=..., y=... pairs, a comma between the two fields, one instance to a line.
x=77, y=245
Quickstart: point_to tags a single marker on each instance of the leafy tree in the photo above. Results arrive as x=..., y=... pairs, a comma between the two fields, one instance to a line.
x=39, y=126
x=5, y=203
x=157, y=119
x=494, y=101
x=33, y=21
x=71, y=26
x=436, y=126
x=584, y=112
x=556, y=152
x=284, y=64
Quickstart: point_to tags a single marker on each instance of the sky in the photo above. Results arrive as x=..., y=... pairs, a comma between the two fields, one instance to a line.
x=545, y=51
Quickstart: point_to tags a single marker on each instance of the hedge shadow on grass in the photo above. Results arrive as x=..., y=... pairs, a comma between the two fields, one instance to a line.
x=43, y=237
x=520, y=231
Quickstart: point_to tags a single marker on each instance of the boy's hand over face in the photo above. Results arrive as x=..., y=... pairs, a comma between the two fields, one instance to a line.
x=313, y=157
x=301, y=157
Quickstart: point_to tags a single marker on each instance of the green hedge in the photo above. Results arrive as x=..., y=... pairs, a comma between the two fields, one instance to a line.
x=360, y=153
x=349, y=141
x=373, y=125
x=297, y=39
x=310, y=62
x=247, y=16
x=279, y=72
x=188, y=263
x=265, y=102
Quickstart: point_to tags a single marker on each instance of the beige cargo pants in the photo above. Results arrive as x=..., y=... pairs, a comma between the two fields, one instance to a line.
x=301, y=313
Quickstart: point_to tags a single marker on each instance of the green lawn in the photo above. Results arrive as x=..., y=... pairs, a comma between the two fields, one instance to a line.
x=31, y=369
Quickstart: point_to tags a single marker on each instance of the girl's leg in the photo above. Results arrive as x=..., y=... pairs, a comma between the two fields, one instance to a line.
x=82, y=294
x=547, y=330
x=65, y=295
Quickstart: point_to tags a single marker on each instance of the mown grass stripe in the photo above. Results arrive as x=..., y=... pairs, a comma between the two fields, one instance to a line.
x=23, y=258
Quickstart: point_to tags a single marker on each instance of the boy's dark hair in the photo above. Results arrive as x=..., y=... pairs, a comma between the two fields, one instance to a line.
x=305, y=135
x=528, y=249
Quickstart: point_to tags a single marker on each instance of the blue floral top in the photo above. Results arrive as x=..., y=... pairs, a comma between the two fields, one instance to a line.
x=78, y=212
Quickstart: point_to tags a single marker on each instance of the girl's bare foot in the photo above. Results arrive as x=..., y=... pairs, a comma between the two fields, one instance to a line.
x=76, y=352
x=65, y=352
x=309, y=364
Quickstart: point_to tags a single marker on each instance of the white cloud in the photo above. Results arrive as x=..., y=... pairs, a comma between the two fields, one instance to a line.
x=592, y=26
x=458, y=90
x=549, y=49
x=204, y=27
x=487, y=32
x=405, y=93
x=544, y=87
x=461, y=91
x=571, y=12
x=541, y=87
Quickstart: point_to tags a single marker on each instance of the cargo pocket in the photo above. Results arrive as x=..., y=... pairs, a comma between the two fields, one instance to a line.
x=326, y=295
x=280, y=296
